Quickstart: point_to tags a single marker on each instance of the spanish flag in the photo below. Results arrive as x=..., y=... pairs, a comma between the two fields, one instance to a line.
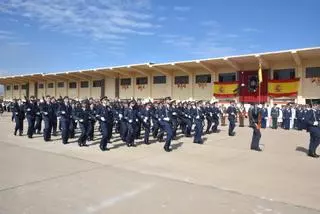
x=260, y=73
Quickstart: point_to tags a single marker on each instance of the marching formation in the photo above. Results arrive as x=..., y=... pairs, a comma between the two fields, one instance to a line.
x=158, y=119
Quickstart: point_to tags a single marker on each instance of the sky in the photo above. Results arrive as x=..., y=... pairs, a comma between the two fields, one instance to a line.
x=43, y=36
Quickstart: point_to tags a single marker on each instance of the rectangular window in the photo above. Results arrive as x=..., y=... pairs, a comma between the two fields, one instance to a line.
x=126, y=81
x=159, y=79
x=204, y=78
x=284, y=74
x=181, y=80
x=60, y=84
x=23, y=87
x=8, y=87
x=97, y=83
x=41, y=86
x=72, y=85
x=227, y=77
x=84, y=84
x=312, y=72
x=142, y=80
x=50, y=85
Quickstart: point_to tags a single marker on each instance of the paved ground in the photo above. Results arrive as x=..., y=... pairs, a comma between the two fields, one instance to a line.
x=221, y=176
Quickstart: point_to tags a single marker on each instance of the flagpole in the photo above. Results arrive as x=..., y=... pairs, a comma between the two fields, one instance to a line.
x=260, y=81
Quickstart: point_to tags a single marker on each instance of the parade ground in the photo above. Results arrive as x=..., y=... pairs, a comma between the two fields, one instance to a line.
x=220, y=176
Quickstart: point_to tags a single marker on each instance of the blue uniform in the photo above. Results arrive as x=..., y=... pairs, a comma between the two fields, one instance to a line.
x=30, y=110
x=47, y=114
x=254, y=117
x=287, y=114
x=65, y=114
x=264, y=115
x=130, y=115
x=165, y=122
x=198, y=117
x=313, y=129
x=19, y=116
x=145, y=117
x=105, y=116
x=232, y=114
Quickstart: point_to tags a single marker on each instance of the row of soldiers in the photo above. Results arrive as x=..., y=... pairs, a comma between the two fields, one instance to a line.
x=125, y=118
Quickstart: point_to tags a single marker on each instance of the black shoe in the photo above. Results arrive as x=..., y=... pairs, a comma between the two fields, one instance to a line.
x=20, y=134
x=103, y=148
x=167, y=149
x=29, y=136
x=312, y=154
x=257, y=149
x=14, y=133
x=65, y=142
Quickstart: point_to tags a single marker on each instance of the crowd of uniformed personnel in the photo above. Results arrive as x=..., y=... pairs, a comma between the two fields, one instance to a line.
x=159, y=118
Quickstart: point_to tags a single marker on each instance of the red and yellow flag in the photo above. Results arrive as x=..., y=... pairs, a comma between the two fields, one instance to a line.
x=283, y=88
x=225, y=89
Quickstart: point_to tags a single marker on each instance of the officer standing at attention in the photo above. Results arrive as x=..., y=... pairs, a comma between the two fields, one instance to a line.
x=264, y=117
x=19, y=116
x=30, y=110
x=275, y=112
x=130, y=115
x=145, y=115
x=55, y=107
x=232, y=114
x=312, y=122
x=64, y=113
x=38, y=119
x=255, y=124
x=106, y=118
x=82, y=115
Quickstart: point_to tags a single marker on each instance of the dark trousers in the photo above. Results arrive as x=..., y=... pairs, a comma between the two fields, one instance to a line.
x=274, y=122
x=256, y=135
x=232, y=125
x=123, y=130
x=138, y=130
x=38, y=123
x=168, y=129
x=104, y=140
x=54, y=125
x=146, y=127
x=72, y=126
x=198, y=131
x=188, y=128
x=215, y=125
x=155, y=128
x=19, y=125
x=314, y=139
x=209, y=124
x=83, y=135
x=65, y=124
x=31, y=121
x=263, y=123
x=286, y=123
x=174, y=127
x=90, y=132
x=131, y=134
x=47, y=129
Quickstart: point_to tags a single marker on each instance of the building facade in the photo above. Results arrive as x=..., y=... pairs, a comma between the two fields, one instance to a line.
x=288, y=76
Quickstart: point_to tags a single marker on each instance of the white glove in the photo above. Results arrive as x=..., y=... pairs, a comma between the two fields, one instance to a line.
x=210, y=114
x=145, y=120
x=28, y=109
x=315, y=123
x=103, y=119
x=81, y=120
x=197, y=117
x=17, y=113
x=63, y=112
x=130, y=121
x=137, y=120
x=266, y=118
x=166, y=119
x=45, y=113
x=232, y=113
x=189, y=117
x=58, y=118
x=174, y=113
x=120, y=115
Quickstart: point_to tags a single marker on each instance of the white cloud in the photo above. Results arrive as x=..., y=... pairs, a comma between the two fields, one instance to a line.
x=100, y=20
x=19, y=43
x=253, y=30
x=181, y=8
x=6, y=35
x=210, y=23
x=162, y=18
x=231, y=35
x=181, y=18
x=179, y=41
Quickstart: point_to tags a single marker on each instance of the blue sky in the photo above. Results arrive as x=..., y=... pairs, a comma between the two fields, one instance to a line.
x=60, y=35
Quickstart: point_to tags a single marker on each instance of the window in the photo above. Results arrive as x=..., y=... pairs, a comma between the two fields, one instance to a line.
x=159, y=79
x=84, y=84
x=181, y=80
x=227, y=77
x=50, y=85
x=142, y=80
x=284, y=74
x=60, y=84
x=126, y=81
x=40, y=85
x=205, y=78
x=313, y=72
x=23, y=87
x=97, y=83
x=72, y=85
x=15, y=87
x=8, y=87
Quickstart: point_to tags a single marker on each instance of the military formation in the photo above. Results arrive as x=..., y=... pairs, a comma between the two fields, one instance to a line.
x=159, y=119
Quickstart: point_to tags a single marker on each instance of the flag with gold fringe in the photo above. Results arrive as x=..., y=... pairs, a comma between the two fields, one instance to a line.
x=225, y=89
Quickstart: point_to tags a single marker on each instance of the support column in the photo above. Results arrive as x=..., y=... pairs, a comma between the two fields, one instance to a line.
x=133, y=85
x=192, y=84
x=67, y=87
x=78, y=89
x=150, y=85
x=171, y=84
x=12, y=91
x=45, y=88
x=299, y=74
x=90, y=88
x=55, y=89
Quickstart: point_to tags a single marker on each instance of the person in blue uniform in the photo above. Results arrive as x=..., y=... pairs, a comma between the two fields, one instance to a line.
x=105, y=117
x=286, y=117
x=312, y=124
x=208, y=111
x=92, y=121
x=30, y=110
x=264, y=117
x=145, y=116
x=275, y=112
x=232, y=114
x=55, y=107
x=254, y=113
x=216, y=113
x=198, y=117
x=38, y=119
x=64, y=114
x=47, y=114
x=82, y=116
x=165, y=123
x=19, y=116
x=130, y=115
